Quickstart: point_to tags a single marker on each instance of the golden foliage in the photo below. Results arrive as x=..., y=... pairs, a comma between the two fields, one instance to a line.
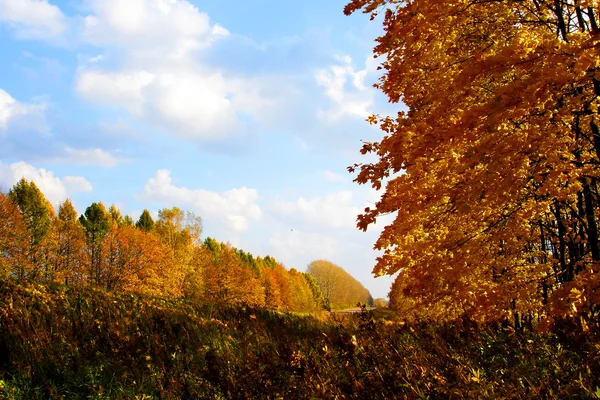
x=492, y=170
x=165, y=258
x=339, y=288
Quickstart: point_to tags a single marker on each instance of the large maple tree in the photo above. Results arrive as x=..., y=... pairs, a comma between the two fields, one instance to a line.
x=492, y=169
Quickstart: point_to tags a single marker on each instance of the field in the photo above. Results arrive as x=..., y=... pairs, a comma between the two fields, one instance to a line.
x=89, y=344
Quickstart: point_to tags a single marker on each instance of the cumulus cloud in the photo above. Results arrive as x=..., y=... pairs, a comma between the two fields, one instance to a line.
x=159, y=75
x=233, y=208
x=335, y=210
x=13, y=112
x=33, y=19
x=150, y=25
x=122, y=89
x=76, y=184
x=54, y=188
x=346, y=90
x=189, y=101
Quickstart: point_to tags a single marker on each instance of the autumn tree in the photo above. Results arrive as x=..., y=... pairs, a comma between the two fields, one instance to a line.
x=338, y=287
x=317, y=295
x=180, y=231
x=96, y=221
x=136, y=261
x=380, y=303
x=38, y=215
x=202, y=259
x=301, y=295
x=491, y=170
x=14, y=241
x=128, y=221
x=116, y=215
x=71, y=260
x=228, y=280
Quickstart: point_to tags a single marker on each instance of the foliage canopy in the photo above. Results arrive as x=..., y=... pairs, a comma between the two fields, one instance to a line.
x=492, y=170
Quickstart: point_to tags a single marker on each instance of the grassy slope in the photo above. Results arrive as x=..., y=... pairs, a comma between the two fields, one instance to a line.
x=64, y=343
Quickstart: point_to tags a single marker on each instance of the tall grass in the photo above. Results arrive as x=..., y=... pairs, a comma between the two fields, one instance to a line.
x=90, y=344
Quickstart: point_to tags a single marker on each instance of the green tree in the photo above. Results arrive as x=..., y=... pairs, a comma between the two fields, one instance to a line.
x=96, y=222
x=36, y=210
x=128, y=221
x=145, y=222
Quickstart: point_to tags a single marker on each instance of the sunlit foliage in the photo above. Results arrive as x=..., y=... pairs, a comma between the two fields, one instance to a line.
x=339, y=288
x=163, y=258
x=492, y=171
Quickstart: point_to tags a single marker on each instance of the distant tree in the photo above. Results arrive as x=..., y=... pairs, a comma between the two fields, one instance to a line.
x=301, y=294
x=136, y=261
x=193, y=287
x=282, y=285
x=145, y=222
x=15, y=241
x=273, y=295
x=173, y=231
x=193, y=224
x=339, y=288
x=38, y=215
x=213, y=246
x=316, y=290
x=96, y=222
x=71, y=256
x=380, y=303
x=115, y=215
x=37, y=211
x=128, y=221
x=228, y=280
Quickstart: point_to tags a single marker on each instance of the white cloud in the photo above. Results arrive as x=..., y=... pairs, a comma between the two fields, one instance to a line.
x=174, y=28
x=333, y=177
x=54, y=188
x=334, y=210
x=188, y=100
x=33, y=19
x=122, y=90
x=95, y=59
x=161, y=79
x=234, y=208
x=76, y=184
x=88, y=157
x=12, y=111
x=345, y=88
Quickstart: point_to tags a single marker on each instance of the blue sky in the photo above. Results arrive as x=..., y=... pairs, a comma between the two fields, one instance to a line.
x=244, y=112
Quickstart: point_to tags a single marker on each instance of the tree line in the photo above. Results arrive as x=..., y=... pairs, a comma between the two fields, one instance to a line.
x=166, y=257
